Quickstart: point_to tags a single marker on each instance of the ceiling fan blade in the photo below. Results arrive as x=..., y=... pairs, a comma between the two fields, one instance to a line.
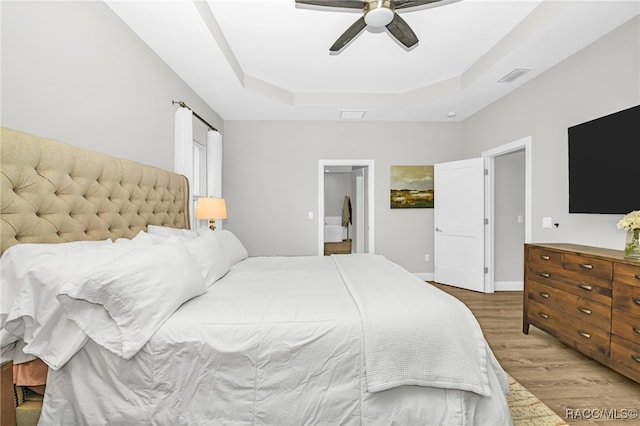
x=401, y=31
x=403, y=4
x=348, y=4
x=426, y=4
x=349, y=35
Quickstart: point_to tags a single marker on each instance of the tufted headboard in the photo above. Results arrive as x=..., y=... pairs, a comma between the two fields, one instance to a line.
x=51, y=192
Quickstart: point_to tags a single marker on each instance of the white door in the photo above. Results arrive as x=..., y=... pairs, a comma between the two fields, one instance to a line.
x=459, y=224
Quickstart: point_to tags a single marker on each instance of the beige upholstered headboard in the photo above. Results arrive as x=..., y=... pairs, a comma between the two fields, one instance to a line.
x=51, y=192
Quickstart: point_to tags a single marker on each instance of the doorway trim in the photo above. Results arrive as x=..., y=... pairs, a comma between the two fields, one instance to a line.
x=369, y=164
x=489, y=162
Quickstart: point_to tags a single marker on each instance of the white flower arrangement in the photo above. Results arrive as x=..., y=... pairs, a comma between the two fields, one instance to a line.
x=631, y=221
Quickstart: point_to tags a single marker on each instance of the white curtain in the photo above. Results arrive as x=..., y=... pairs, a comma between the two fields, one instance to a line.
x=214, y=164
x=183, y=155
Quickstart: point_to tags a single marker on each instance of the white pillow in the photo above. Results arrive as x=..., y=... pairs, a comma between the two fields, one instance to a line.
x=165, y=231
x=31, y=276
x=141, y=239
x=122, y=303
x=231, y=246
x=207, y=252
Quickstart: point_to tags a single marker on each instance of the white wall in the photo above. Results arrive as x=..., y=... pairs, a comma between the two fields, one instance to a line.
x=336, y=186
x=73, y=71
x=270, y=179
x=509, y=203
x=601, y=79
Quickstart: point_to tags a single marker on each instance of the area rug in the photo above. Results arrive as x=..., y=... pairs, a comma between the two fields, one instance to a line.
x=527, y=410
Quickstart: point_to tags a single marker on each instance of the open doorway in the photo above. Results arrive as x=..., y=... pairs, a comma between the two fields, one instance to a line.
x=360, y=189
x=508, y=212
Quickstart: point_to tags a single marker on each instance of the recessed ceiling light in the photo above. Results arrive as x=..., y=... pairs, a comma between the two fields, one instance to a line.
x=353, y=115
x=451, y=114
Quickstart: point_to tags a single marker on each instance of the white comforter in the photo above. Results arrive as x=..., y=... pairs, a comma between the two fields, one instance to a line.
x=279, y=341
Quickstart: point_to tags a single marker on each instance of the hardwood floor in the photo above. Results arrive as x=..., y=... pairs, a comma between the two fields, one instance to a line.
x=578, y=389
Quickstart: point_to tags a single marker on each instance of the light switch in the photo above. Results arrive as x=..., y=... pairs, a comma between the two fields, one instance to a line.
x=310, y=215
x=547, y=222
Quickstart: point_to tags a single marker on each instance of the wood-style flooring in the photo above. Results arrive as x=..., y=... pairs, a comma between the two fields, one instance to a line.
x=578, y=389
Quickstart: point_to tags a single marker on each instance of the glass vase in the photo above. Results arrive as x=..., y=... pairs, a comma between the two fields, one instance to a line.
x=632, y=246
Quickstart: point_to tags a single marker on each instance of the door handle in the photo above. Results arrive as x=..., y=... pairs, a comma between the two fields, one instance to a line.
x=438, y=229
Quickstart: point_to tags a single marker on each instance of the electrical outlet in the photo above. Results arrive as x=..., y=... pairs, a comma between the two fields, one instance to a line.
x=426, y=257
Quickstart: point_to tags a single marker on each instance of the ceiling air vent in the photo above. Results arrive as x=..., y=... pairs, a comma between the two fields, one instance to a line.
x=513, y=75
x=351, y=115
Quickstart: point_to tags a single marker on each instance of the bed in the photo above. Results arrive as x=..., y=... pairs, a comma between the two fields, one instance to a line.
x=144, y=321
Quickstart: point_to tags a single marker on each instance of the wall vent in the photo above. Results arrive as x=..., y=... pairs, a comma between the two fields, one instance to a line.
x=513, y=75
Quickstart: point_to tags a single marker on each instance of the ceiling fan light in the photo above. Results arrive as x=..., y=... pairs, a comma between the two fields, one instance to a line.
x=379, y=18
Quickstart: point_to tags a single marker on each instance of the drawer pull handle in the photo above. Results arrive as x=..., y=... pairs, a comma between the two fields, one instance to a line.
x=636, y=301
x=585, y=287
x=585, y=311
x=586, y=266
x=543, y=257
x=543, y=315
x=636, y=330
x=545, y=295
x=545, y=274
x=636, y=358
x=584, y=334
x=637, y=276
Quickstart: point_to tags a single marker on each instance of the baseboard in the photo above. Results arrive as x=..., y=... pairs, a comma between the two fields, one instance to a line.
x=509, y=286
x=499, y=285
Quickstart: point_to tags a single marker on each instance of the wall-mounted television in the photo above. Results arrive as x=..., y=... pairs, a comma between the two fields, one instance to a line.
x=604, y=164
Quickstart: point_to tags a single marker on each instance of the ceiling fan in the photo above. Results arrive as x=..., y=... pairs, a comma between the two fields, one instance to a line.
x=376, y=14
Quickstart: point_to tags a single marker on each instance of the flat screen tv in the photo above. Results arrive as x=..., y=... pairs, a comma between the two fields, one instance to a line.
x=604, y=164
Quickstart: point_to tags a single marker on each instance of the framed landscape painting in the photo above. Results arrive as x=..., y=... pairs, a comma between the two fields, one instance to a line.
x=412, y=187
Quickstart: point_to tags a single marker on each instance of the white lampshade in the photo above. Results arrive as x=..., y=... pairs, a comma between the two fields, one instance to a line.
x=211, y=208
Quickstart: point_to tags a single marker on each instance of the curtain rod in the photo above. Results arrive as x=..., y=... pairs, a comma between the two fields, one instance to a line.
x=183, y=105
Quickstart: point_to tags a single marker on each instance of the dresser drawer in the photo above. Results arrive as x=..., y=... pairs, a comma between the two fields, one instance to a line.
x=626, y=298
x=625, y=352
x=540, y=257
x=585, y=267
x=594, y=289
x=568, y=327
x=626, y=325
x=627, y=274
x=582, y=308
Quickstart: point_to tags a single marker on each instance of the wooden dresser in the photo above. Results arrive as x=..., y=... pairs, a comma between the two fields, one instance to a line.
x=588, y=298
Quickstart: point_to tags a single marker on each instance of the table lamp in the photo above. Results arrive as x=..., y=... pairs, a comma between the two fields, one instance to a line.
x=212, y=209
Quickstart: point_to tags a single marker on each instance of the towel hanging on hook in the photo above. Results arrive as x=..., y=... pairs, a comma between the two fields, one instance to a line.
x=346, y=212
